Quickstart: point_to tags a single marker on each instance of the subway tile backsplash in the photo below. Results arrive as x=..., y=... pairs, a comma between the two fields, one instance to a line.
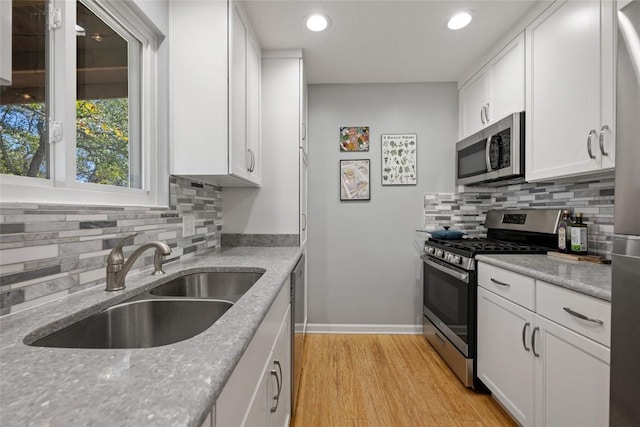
x=48, y=251
x=467, y=211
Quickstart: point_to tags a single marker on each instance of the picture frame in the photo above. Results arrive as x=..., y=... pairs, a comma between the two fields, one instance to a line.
x=354, y=138
x=355, y=180
x=399, y=159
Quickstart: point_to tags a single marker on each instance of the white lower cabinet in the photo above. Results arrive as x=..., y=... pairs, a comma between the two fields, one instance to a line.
x=543, y=372
x=505, y=365
x=258, y=392
x=572, y=378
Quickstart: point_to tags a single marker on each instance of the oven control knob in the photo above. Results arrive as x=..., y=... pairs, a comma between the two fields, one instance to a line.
x=431, y=250
x=456, y=259
x=448, y=257
x=440, y=253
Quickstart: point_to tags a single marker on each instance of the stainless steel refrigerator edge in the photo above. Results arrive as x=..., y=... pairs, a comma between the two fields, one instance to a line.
x=625, y=305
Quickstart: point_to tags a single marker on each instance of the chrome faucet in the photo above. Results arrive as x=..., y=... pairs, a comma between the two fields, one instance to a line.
x=117, y=268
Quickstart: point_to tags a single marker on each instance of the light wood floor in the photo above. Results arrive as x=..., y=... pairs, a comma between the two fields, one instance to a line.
x=386, y=381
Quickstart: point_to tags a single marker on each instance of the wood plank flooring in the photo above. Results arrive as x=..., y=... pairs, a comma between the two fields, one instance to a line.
x=386, y=381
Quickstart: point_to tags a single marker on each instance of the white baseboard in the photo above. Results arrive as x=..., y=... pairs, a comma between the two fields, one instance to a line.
x=327, y=328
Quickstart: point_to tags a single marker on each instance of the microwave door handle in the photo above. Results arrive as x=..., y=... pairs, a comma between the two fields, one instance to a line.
x=487, y=152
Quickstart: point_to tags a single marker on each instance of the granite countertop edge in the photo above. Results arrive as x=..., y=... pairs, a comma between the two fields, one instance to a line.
x=171, y=385
x=583, y=277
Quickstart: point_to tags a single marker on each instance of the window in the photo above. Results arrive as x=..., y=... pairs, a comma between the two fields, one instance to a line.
x=79, y=115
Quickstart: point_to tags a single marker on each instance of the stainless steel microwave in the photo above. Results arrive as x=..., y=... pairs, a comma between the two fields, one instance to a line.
x=494, y=154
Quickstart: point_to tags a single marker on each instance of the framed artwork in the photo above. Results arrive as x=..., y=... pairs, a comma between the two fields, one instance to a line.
x=354, y=180
x=354, y=138
x=399, y=165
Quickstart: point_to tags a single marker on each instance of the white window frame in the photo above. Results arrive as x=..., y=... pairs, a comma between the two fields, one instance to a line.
x=62, y=187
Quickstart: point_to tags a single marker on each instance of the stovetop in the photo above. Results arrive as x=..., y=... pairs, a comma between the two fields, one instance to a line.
x=471, y=247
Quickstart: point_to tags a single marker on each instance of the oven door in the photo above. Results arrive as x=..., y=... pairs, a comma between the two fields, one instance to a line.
x=448, y=300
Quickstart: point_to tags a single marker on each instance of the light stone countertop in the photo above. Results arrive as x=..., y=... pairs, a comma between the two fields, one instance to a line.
x=172, y=385
x=584, y=277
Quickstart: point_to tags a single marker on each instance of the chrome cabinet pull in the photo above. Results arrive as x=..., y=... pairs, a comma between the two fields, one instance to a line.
x=582, y=316
x=305, y=222
x=524, y=336
x=487, y=153
x=533, y=341
x=278, y=383
x=482, y=115
x=497, y=282
x=304, y=131
x=440, y=339
x=486, y=112
x=252, y=160
x=603, y=129
x=591, y=132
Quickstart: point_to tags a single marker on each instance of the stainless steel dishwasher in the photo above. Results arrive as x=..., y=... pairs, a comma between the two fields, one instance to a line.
x=298, y=327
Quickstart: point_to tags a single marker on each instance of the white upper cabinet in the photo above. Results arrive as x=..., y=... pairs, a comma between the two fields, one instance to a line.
x=495, y=91
x=5, y=42
x=570, y=90
x=215, y=94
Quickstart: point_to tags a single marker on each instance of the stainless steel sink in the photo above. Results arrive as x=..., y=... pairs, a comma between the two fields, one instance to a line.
x=226, y=285
x=139, y=324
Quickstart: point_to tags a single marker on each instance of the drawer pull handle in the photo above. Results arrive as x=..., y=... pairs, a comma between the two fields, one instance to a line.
x=533, y=341
x=582, y=316
x=524, y=336
x=497, y=282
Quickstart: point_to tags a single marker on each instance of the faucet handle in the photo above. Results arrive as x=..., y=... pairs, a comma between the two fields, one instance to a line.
x=116, y=256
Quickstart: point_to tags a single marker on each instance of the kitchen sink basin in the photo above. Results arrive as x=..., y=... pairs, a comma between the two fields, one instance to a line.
x=139, y=324
x=224, y=285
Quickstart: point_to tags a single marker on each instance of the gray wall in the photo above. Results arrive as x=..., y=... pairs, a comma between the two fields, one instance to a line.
x=364, y=266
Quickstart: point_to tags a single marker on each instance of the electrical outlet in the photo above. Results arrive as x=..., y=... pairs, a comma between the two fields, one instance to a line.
x=188, y=225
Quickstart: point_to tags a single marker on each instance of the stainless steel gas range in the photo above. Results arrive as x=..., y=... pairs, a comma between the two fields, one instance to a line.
x=450, y=283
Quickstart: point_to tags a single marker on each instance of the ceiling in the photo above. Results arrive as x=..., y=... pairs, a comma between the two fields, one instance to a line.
x=376, y=41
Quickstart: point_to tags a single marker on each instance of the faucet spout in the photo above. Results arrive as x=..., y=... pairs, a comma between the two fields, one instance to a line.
x=117, y=267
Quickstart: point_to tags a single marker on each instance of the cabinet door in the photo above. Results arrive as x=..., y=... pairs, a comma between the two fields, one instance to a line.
x=304, y=108
x=507, y=81
x=504, y=358
x=474, y=96
x=258, y=413
x=238, y=94
x=253, y=103
x=5, y=42
x=304, y=220
x=280, y=399
x=563, y=91
x=572, y=378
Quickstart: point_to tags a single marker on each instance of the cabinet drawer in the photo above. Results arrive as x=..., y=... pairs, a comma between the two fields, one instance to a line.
x=512, y=286
x=553, y=302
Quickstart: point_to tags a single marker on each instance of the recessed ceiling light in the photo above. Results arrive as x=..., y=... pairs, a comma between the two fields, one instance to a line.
x=317, y=22
x=459, y=20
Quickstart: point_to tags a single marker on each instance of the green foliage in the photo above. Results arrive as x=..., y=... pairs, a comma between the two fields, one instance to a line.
x=102, y=141
x=21, y=135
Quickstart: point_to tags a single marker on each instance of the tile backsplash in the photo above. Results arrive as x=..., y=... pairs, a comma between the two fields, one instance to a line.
x=467, y=211
x=48, y=251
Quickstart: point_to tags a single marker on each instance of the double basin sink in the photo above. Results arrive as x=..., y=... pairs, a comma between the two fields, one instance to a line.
x=171, y=312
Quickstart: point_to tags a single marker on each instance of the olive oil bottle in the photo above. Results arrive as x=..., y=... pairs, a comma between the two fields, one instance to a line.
x=564, y=232
x=579, y=236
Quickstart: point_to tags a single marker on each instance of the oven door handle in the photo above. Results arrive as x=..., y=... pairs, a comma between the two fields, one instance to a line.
x=460, y=276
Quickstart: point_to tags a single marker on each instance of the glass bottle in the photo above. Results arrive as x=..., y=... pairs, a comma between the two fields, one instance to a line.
x=579, y=236
x=564, y=232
